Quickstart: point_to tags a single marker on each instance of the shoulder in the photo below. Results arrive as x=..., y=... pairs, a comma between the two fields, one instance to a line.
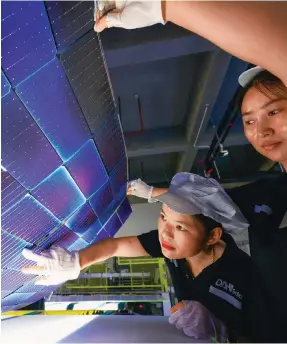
x=151, y=244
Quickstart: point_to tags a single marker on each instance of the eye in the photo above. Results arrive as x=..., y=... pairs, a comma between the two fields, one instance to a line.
x=249, y=122
x=180, y=228
x=162, y=217
x=273, y=112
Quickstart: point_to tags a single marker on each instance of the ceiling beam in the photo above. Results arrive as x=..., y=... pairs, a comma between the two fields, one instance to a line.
x=153, y=51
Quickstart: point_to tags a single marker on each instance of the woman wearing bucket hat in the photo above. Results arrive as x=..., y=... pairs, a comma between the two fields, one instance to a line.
x=253, y=31
x=204, y=262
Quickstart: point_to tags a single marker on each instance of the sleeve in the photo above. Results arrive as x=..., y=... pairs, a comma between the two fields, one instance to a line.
x=263, y=192
x=151, y=244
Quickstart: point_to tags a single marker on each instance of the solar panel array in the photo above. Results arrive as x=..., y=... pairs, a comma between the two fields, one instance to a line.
x=63, y=155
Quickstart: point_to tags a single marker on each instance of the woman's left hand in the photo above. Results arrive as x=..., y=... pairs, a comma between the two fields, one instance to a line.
x=127, y=14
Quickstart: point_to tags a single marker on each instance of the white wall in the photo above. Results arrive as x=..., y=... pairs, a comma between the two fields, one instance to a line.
x=143, y=219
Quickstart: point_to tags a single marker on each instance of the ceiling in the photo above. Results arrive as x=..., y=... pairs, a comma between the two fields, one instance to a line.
x=175, y=91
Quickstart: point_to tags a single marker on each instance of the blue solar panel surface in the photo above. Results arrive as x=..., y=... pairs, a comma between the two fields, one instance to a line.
x=63, y=153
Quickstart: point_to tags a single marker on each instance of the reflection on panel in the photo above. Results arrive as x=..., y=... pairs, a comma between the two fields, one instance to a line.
x=87, y=169
x=59, y=193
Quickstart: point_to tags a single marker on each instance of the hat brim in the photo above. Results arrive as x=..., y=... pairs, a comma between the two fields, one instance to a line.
x=246, y=77
x=178, y=204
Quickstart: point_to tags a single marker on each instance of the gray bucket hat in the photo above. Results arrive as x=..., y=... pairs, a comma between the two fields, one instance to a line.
x=191, y=194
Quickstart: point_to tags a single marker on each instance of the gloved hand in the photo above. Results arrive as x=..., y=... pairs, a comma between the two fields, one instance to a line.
x=197, y=322
x=129, y=14
x=140, y=189
x=57, y=264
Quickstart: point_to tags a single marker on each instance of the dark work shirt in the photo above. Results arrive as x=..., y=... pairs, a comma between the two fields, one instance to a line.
x=224, y=287
x=264, y=204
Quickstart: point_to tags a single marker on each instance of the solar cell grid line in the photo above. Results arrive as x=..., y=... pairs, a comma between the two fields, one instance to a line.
x=27, y=41
x=102, y=199
x=82, y=220
x=124, y=210
x=29, y=220
x=84, y=65
x=78, y=245
x=113, y=225
x=12, y=248
x=30, y=287
x=110, y=143
x=59, y=194
x=53, y=236
x=52, y=103
x=26, y=152
x=12, y=280
x=70, y=20
x=11, y=191
x=5, y=85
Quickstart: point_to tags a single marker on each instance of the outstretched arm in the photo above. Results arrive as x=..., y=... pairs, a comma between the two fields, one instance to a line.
x=253, y=31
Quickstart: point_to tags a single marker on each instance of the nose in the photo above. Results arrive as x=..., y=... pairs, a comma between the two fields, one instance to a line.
x=264, y=128
x=167, y=232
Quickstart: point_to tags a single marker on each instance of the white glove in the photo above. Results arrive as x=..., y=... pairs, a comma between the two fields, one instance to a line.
x=140, y=189
x=57, y=264
x=132, y=15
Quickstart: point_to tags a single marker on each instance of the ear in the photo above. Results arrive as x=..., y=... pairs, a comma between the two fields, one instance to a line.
x=214, y=236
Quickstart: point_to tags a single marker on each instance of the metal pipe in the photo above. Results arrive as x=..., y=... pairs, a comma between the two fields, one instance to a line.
x=115, y=274
x=201, y=124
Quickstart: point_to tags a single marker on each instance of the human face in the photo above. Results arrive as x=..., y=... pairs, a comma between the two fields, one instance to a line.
x=180, y=236
x=265, y=124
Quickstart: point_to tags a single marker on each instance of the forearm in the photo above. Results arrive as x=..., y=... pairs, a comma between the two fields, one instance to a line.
x=158, y=191
x=113, y=247
x=98, y=252
x=253, y=31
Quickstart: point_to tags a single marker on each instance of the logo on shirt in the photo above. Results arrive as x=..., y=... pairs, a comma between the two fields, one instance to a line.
x=229, y=287
x=227, y=292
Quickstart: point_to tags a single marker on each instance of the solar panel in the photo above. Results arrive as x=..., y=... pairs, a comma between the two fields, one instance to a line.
x=27, y=40
x=28, y=220
x=48, y=93
x=26, y=152
x=87, y=169
x=110, y=142
x=59, y=193
x=11, y=191
x=63, y=153
x=84, y=66
x=5, y=85
x=84, y=221
x=124, y=210
x=70, y=20
x=113, y=225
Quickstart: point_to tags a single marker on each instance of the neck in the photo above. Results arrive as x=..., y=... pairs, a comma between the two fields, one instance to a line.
x=204, y=258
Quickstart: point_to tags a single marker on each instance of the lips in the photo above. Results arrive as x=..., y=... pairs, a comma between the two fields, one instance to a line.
x=270, y=145
x=166, y=246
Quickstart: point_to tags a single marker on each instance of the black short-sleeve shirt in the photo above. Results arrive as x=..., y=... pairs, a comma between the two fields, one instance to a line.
x=224, y=287
x=264, y=204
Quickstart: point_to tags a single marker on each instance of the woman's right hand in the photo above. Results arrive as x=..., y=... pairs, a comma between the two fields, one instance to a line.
x=140, y=189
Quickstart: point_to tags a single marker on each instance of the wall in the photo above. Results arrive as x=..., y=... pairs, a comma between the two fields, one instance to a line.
x=143, y=219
